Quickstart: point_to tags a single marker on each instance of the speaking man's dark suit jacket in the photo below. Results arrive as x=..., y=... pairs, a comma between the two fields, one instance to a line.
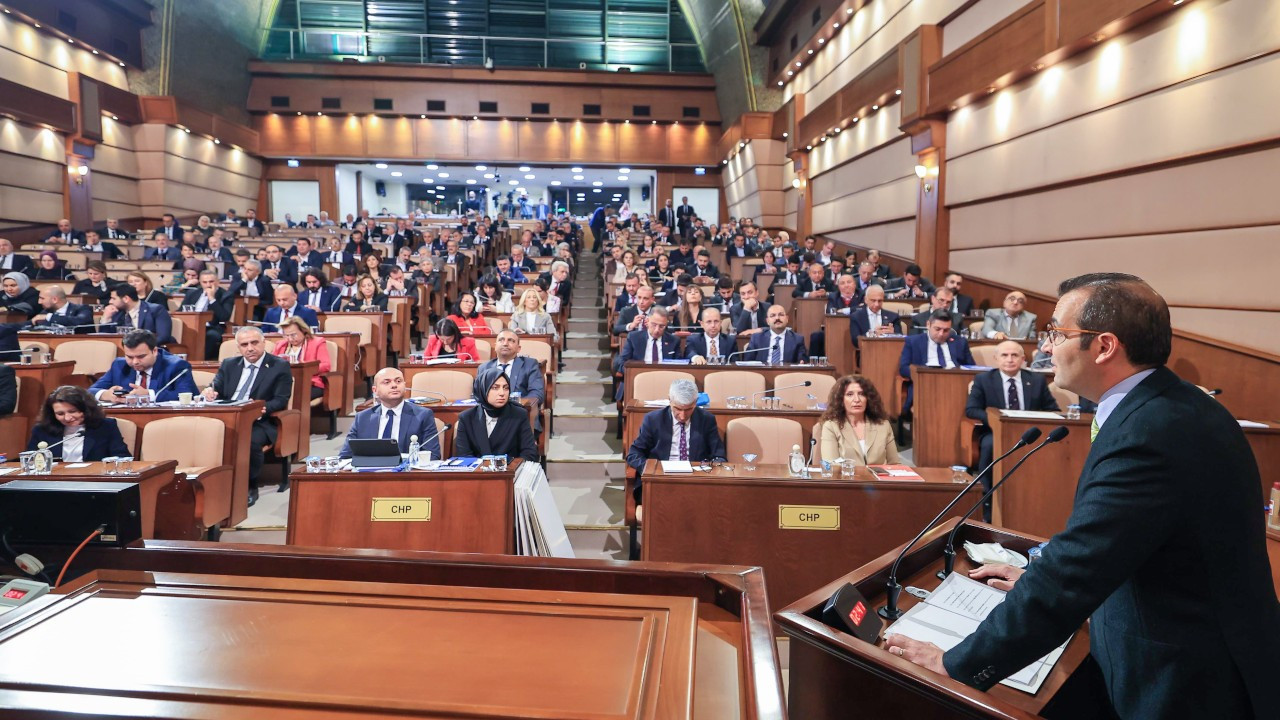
x=416, y=420
x=742, y=318
x=271, y=320
x=793, y=350
x=696, y=344
x=860, y=323
x=150, y=317
x=511, y=435
x=99, y=442
x=330, y=299
x=1165, y=554
x=73, y=315
x=166, y=367
x=273, y=385
x=653, y=442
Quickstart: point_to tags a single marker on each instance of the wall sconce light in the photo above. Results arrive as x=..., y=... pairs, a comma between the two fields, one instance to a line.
x=77, y=173
x=924, y=173
x=795, y=183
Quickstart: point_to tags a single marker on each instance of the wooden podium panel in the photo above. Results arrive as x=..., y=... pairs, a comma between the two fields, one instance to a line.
x=879, y=363
x=839, y=344
x=468, y=511
x=420, y=650
x=834, y=674
x=940, y=397
x=734, y=516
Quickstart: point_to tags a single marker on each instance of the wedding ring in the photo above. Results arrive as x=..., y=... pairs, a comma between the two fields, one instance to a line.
x=895, y=651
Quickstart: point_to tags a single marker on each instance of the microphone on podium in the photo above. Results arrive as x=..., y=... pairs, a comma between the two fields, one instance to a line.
x=949, y=552
x=890, y=610
x=806, y=383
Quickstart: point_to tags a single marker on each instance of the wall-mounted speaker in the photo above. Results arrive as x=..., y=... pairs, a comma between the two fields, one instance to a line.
x=380, y=188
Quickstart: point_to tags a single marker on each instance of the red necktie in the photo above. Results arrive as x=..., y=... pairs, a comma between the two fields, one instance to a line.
x=142, y=380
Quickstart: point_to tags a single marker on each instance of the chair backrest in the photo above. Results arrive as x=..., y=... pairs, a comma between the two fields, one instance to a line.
x=228, y=349
x=484, y=350
x=332, y=348
x=975, y=327
x=539, y=350
x=347, y=323
x=985, y=354
x=177, y=330
x=202, y=378
x=798, y=397
x=725, y=383
x=92, y=357
x=129, y=432
x=901, y=308
x=495, y=324
x=656, y=384
x=453, y=384
x=192, y=440
x=74, y=261
x=1064, y=397
x=771, y=439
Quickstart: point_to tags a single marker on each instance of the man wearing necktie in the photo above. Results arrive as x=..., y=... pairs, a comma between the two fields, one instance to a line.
x=1163, y=534
x=255, y=375
x=711, y=343
x=523, y=373
x=391, y=418
x=649, y=344
x=65, y=234
x=937, y=347
x=146, y=370
x=779, y=344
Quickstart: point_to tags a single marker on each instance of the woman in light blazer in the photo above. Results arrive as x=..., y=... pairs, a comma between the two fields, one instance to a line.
x=530, y=318
x=856, y=426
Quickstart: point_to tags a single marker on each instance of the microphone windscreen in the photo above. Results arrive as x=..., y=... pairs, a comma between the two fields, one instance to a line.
x=1031, y=435
x=808, y=383
x=1058, y=433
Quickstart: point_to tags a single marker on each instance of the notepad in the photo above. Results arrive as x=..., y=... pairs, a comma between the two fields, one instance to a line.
x=894, y=472
x=1031, y=414
x=676, y=466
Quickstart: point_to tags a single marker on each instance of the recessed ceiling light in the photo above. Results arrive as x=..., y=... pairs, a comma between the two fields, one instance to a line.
x=513, y=182
x=821, y=40
x=216, y=141
x=556, y=183
x=790, y=73
x=381, y=166
x=624, y=171
x=428, y=181
x=623, y=178
x=481, y=168
x=575, y=169
x=471, y=182
x=521, y=190
x=524, y=168
x=121, y=64
x=810, y=51
x=73, y=42
x=488, y=176
x=439, y=187
x=475, y=117
x=779, y=83
x=95, y=52
x=835, y=25
x=897, y=92
x=875, y=107
x=597, y=183
x=797, y=64
x=579, y=177
x=442, y=174
x=397, y=173
x=784, y=135
x=424, y=117
x=849, y=11
x=595, y=190
x=529, y=177
x=808, y=147
x=36, y=24
x=655, y=122
x=433, y=167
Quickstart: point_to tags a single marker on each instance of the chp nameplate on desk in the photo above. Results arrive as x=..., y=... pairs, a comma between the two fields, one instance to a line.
x=808, y=517
x=400, y=510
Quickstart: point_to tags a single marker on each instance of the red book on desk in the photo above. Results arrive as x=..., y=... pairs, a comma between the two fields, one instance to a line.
x=901, y=473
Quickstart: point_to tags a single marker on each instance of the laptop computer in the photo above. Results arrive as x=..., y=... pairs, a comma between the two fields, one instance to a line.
x=377, y=453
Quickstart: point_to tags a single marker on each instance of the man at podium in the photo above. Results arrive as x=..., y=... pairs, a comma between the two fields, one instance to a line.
x=1164, y=551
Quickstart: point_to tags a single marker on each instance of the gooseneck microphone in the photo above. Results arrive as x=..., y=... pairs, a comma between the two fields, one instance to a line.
x=949, y=552
x=754, y=395
x=47, y=446
x=890, y=610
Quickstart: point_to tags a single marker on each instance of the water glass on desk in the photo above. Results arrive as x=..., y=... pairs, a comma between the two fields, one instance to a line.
x=959, y=474
x=1073, y=412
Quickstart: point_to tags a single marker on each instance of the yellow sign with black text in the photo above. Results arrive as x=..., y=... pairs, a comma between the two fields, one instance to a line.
x=401, y=510
x=808, y=517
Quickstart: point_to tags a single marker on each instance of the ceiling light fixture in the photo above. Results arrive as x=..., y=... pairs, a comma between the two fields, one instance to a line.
x=524, y=168
x=381, y=166
x=433, y=167
x=442, y=174
x=397, y=173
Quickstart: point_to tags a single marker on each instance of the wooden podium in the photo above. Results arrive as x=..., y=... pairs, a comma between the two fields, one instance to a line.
x=292, y=632
x=835, y=675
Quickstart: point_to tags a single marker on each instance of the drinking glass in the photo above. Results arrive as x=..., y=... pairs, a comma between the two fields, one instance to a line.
x=124, y=465
x=827, y=469
x=813, y=401
x=750, y=459
x=109, y=463
x=26, y=358
x=331, y=464
x=28, y=461
x=959, y=474
x=500, y=463
x=314, y=463
x=848, y=468
x=48, y=358
x=1073, y=412
x=486, y=463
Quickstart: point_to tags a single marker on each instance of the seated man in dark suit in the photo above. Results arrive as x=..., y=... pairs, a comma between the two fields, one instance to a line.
x=910, y=286
x=713, y=342
x=840, y=302
x=651, y=343
x=627, y=297
x=632, y=317
x=146, y=370
x=681, y=431
x=9, y=260
x=1011, y=387
x=962, y=305
x=317, y=293
x=113, y=231
x=64, y=234
x=872, y=317
x=392, y=417
x=780, y=344
x=879, y=269
x=749, y=315
x=211, y=297
x=279, y=269
x=251, y=283
x=814, y=283
x=126, y=311
x=939, y=346
x=93, y=242
x=526, y=374
x=702, y=266
x=287, y=306
x=941, y=300
x=254, y=374
x=58, y=310
x=684, y=254
x=161, y=250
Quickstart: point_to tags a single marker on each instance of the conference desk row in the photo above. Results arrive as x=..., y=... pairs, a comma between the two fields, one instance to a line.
x=699, y=373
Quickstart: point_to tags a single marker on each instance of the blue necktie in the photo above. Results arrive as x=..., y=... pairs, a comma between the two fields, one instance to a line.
x=775, y=357
x=386, y=429
x=942, y=362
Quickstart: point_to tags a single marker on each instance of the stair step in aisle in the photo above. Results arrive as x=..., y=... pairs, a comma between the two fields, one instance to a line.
x=585, y=466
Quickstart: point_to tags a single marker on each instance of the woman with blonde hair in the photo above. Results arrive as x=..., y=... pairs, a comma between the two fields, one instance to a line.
x=300, y=345
x=146, y=291
x=530, y=316
x=856, y=426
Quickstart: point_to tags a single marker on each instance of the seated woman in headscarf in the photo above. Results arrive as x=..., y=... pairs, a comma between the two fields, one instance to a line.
x=17, y=295
x=49, y=268
x=496, y=426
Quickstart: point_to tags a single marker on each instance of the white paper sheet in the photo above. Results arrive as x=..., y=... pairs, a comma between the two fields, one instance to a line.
x=676, y=466
x=1032, y=414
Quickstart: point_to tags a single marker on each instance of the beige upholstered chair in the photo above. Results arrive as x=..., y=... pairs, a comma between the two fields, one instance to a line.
x=539, y=350
x=92, y=357
x=484, y=350
x=35, y=347
x=196, y=443
x=985, y=354
x=228, y=349
x=656, y=384
x=202, y=378
x=798, y=397
x=129, y=432
x=975, y=327
x=771, y=439
x=905, y=309
x=719, y=386
x=1064, y=397
x=495, y=324
x=453, y=384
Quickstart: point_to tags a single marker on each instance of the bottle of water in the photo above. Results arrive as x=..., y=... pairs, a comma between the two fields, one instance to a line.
x=795, y=462
x=415, y=451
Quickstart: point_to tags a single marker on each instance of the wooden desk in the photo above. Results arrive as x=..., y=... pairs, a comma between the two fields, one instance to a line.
x=38, y=380
x=617, y=625
x=1041, y=504
x=806, y=314
x=194, y=325
x=469, y=511
x=167, y=502
x=940, y=397
x=832, y=672
x=53, y=341
x=879, y=363
x=840, y=351
x=634, y=411
x=300, y=400
x=735, y=516
x=238, y=421
x=770, y=372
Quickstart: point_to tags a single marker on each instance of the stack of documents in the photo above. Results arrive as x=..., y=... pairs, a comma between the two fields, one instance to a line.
x=539, y=528
x=953, y=612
